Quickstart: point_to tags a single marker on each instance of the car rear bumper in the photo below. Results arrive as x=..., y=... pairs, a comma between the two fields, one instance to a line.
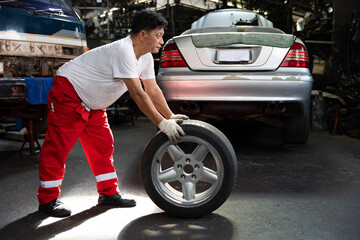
x=225, y=94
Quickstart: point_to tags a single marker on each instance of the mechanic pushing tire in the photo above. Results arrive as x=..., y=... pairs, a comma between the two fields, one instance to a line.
x=193, y=177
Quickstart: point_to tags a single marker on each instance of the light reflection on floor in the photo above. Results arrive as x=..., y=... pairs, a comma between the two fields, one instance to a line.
x=98, y=222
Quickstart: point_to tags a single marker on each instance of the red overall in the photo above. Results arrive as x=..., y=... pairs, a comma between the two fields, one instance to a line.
x=68, y=121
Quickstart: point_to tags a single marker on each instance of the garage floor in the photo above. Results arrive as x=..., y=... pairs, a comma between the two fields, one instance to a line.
x=297, y=192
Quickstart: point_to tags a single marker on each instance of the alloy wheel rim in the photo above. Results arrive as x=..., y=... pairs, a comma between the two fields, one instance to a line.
x=189, y=173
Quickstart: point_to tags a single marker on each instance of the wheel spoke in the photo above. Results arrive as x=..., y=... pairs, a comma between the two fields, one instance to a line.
x=189, y=190
x=200, y=152
x=168, y=175
x=209, y=176
x=175, y=153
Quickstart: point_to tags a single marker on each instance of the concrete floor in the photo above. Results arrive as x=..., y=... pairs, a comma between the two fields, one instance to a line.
x=304, y=192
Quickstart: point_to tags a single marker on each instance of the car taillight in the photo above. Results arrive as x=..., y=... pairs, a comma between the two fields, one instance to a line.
x=296, y=57
x=171, y=57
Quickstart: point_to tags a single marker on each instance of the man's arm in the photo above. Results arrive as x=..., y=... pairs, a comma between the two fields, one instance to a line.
x=157, y=97
x=169, y=127
x=143, y=100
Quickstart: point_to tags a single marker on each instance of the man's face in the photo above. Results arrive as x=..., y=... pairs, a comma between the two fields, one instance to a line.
x=154, y=39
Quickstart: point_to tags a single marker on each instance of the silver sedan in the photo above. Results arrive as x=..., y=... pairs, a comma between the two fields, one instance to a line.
x=233, y=64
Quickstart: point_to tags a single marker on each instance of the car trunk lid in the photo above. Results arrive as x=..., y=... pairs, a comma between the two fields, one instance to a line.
x=234, y=51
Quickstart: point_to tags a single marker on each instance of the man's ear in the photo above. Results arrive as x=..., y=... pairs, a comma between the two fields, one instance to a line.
x=142, y=34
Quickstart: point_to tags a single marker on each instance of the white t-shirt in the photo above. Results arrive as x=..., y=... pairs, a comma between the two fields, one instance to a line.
x=97, y=74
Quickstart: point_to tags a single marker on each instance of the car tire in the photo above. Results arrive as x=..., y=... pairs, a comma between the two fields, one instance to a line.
x=193, y=177
x=296, y=129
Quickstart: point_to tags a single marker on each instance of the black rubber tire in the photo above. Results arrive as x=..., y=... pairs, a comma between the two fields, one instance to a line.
x=297, y=129
x=216, y=140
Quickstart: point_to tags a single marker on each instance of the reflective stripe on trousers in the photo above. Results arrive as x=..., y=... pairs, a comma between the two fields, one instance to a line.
x=99, y=178
x=104, y=177
x=50, y=184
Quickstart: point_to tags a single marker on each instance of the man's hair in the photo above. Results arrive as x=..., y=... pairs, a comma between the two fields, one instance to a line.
x=147, y=20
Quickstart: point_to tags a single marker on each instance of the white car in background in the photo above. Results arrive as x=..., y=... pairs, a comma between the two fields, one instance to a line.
x=233, y=64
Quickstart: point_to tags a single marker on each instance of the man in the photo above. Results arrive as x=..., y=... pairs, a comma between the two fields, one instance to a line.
x=83, y=88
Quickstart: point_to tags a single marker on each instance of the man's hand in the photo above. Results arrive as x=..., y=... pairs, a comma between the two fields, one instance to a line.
x=172, y=129
x=179, y=116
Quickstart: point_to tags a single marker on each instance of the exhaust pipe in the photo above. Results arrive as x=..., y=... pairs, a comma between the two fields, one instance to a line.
x=190, y=107
x=275, y=107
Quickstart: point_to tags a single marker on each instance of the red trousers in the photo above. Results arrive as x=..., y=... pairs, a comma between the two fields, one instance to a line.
x=68, y=121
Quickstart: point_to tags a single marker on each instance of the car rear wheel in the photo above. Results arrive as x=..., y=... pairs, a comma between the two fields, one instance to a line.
x=193, y=177
x=296, y=130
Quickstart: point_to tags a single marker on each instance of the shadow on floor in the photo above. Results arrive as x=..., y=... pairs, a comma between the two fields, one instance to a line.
x=161, y=226
x=28, y=227
x=155, y=226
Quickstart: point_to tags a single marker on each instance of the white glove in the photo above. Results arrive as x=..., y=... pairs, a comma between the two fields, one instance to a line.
x=171, y=129
x=179, y=116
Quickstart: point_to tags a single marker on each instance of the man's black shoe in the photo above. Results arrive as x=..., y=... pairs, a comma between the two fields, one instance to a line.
x=115, y=200
x=55, y=208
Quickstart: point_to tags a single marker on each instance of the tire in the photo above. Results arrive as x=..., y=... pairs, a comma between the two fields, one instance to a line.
x=192, y=177
x=297, y=129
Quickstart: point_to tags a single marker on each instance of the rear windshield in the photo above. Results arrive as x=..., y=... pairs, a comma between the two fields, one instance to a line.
x=40, y=5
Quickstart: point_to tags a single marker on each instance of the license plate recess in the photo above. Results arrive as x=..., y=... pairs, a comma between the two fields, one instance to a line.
x=233, y=55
